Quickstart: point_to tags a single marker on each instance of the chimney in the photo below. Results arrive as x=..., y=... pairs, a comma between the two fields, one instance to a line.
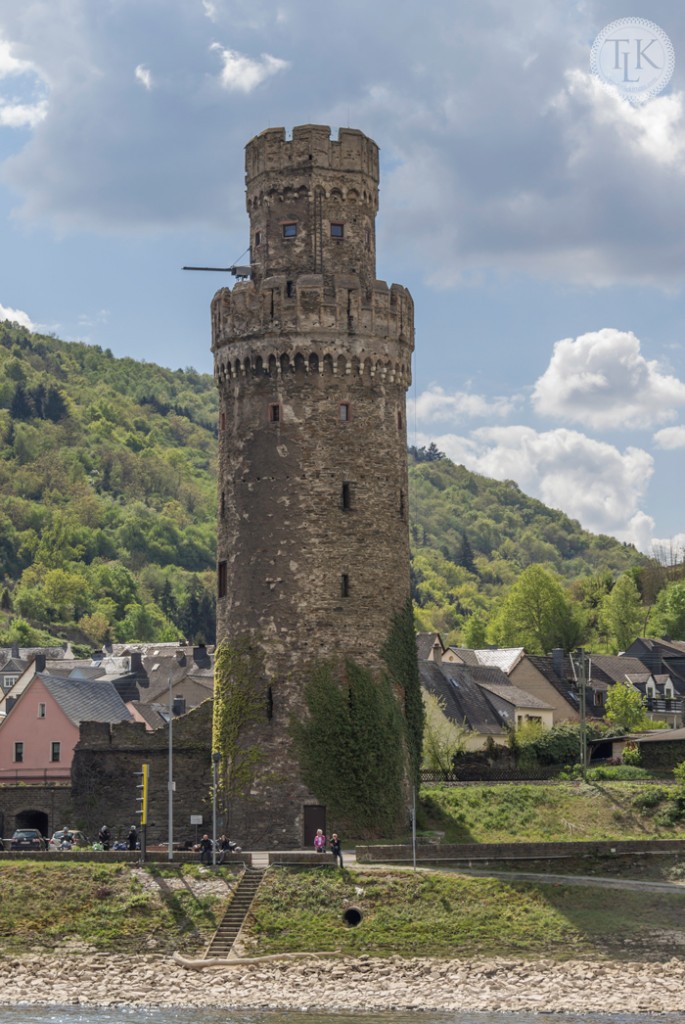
x=200, y=654
x=437, y=652
x=15, y=649
x=179, y=706
x=9, y=703
x=136, y=661
x=558, y=658
x=39, y=662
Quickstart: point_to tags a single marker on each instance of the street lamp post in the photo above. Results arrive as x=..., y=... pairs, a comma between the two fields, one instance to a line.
x=216, y=757
x=170, y=782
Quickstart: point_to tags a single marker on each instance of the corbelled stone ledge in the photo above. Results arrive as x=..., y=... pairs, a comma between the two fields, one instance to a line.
x=364, y=984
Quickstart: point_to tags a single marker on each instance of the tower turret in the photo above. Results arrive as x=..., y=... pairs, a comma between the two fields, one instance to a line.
x=312, y=358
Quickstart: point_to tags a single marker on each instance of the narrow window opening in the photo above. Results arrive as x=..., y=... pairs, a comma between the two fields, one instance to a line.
x=290, y=230
x=272, y=304
x=41, y=710
x=350, y=317
x=258, y=238
x=346, y=497
x=223, y=421
x=18, y=752
x=344, y=412
x=344, y=585
x=402, y=504
x=274, y=413
x=399, y=420
x=337, y=230
x=55, y=751
x=222, y=578
x=289, y=289
x=269, y=704
x=223, y=504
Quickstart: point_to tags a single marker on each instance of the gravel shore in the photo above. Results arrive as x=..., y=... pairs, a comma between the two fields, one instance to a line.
x=345, y=984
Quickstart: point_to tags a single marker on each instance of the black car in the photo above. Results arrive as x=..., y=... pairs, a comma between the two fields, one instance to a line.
x=27, y=839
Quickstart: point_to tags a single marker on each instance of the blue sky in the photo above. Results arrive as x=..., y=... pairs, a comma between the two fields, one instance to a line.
x=537, y=216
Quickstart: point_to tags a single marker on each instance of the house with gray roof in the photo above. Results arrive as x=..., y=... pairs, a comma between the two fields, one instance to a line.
x=40, y=731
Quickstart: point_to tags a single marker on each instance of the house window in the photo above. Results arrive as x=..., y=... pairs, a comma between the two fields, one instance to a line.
x=41, y=710
x=9, y=681
x=274, y=413
x=55, y=749
x=337, y=230
x=344, y=585
x=599, y=698
x=222, y=578
x=290, y=230
x=289, y=289
x=344, y=412
x=346, y=497
x=18, y=752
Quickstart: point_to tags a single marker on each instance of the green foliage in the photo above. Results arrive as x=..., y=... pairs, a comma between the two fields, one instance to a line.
x=625, y=708
x=631, y=755
x=105, y=471
x=351, y=747
x=442, y=739
x=536, y=614
x=401, y=657
x=623, y=613
x=239, y=703
x=668, y=616
x=558, y=745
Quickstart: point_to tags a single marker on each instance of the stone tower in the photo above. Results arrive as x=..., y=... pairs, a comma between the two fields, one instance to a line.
x=312, y=358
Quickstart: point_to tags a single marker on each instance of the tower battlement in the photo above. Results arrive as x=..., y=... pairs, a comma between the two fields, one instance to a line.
x=311, y=148
x=303, y=307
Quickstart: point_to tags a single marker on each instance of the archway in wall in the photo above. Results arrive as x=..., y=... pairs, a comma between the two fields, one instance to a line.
x=32, y=819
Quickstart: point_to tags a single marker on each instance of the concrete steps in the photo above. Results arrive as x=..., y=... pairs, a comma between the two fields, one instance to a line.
x=236, y=912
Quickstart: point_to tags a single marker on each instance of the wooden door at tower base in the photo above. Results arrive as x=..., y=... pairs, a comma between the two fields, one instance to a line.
x=314, y=817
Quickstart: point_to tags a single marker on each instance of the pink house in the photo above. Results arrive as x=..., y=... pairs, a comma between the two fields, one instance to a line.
x=39, y=733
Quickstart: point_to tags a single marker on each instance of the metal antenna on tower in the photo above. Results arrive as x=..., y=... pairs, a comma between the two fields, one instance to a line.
x=241, y=273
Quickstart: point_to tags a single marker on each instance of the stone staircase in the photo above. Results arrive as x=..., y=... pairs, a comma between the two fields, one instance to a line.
x=236, y=912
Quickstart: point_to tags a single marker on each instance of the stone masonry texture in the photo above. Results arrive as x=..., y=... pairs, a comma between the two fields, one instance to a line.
x=312, y=358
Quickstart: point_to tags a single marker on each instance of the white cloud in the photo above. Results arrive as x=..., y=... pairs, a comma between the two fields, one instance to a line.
x=210, y=9
x=144, y=76
x=17, y=316
x=602, y=380
x=670, y=438
x=244, y=74
x=27, y=106
x=591, y=481
x=669, y=550
x=435, y=404
x=11, y=65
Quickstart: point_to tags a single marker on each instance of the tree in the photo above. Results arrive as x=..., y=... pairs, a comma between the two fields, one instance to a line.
x=625, y=708
x=622, y=612
x=443, y=740
x=669, y=612
x=536, y=614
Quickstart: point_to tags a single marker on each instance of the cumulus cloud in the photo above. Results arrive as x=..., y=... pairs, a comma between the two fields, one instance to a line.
x=26, y=106
x=592, y=481
x=601, y=379
x=144, y=76
x=670, y=438
x=242, y=73
x=435, y=404
x=17, y=316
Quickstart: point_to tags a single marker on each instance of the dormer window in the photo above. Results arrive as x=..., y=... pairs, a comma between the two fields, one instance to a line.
x=290, y=230
x=337, y=230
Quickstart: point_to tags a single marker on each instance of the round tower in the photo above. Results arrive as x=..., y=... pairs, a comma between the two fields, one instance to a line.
x=312, y=358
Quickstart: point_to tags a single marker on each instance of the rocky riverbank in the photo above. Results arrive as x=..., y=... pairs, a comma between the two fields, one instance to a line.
x=364, y=984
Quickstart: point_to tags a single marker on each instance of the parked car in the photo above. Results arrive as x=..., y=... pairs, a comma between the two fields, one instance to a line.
x=27, y=839
x=67, y=839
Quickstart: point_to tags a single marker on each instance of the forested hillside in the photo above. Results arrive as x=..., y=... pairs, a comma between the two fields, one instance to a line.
x=107, y=494
x=108, y=516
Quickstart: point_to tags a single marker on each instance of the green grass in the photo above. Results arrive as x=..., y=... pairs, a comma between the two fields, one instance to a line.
x=105, y=906
x=565, y=811
x=443, y=914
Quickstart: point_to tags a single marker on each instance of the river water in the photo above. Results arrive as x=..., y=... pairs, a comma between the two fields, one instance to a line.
x=77, y=1015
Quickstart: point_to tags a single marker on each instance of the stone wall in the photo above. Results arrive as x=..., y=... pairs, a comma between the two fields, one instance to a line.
x=44, y=807
x=104, y=778
x=492, y=853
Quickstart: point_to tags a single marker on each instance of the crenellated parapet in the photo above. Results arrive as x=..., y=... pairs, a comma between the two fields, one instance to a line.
x=250, y=322
x=311, y=146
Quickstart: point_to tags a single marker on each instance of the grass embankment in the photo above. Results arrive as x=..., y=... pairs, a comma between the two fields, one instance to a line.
x=432, y=913
x=108, y=907
x=560, y=812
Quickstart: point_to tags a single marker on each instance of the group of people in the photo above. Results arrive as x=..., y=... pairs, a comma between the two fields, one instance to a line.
x=131, y=841
x=334, y=844
x=223, y=845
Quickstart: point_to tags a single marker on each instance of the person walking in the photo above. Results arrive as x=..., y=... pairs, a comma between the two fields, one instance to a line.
x=336, y=849
x=132, y=838
x=320, y=841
